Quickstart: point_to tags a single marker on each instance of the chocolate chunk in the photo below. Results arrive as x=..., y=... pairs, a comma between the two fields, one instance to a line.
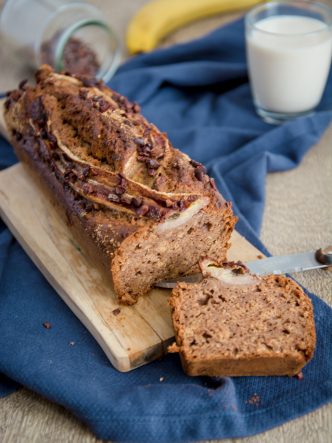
x=136, y=107
x=152, y=163
x=55, y=155
x=70, y=165
x=44, y=152
x=43, y=73
x=145, y=149
x=68, y=175
x=100, y=83
x=213, y=183
x=116, y=311
x=152, y=172
x=143, y=210
x=115, y=157
x=240, y=270
x=299, y=376
x=88, y=206
x=83, y=93
x=7, y=104
x=242, y=266
x=22, y=85
x=199, y=174
x=119, y=98
x=43, y=133
x=254, y=400
x=47, y=325
x=181, y=205
x=86, y=171
x=141, y=158
x=137, y=202
x=195, y=164
x=18, y=136
x=122, y=180
x=87, y=188
x=147, y=131
x=139, y=141
x=198, y=166
x=88, y=81
x=14, y=95
x=104, y=105
x=122, y=102
x=50, y=137
x=66, y=186
x=119, y=190
x=37, y=111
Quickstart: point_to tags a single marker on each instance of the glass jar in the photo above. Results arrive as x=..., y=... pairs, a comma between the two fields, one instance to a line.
x=70, y=36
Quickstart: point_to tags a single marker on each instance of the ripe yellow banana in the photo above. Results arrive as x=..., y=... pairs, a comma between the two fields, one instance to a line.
x=159, y=18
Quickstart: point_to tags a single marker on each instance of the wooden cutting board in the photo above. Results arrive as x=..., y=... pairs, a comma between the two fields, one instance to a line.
x=130, y=336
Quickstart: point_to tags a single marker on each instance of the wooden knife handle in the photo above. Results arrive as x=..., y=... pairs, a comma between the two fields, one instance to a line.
x=325, y=256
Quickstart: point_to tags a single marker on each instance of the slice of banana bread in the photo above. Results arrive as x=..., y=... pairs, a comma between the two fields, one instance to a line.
x=235, y=324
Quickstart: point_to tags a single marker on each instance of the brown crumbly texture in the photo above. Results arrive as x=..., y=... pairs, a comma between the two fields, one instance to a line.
x=258, y=326
x=137, y=205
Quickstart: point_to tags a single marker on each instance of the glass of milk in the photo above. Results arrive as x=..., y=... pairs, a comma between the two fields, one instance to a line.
x=289, y=51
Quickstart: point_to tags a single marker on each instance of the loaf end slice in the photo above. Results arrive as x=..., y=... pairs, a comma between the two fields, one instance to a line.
x=237, y=324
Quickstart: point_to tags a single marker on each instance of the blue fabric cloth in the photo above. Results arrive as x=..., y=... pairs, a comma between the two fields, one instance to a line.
x=197, y=92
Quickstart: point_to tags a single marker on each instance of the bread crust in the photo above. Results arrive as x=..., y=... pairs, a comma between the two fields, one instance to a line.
x=115, y=177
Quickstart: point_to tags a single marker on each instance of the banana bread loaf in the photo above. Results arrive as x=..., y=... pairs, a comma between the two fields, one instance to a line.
x=235, y=324
x=136, y=204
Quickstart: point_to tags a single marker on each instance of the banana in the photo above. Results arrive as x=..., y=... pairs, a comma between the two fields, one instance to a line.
x=159, y=18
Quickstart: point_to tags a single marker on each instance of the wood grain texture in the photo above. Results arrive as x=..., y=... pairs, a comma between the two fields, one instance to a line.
x=288, y=225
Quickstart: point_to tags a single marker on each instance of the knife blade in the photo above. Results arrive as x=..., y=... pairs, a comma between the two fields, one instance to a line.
x=282, y=264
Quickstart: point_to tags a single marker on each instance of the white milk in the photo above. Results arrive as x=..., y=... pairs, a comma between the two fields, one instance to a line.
x=288, y=67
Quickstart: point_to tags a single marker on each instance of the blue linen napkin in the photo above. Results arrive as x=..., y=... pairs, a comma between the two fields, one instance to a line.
x=199, y=93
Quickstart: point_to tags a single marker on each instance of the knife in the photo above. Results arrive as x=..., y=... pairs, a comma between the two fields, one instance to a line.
x=282, y=264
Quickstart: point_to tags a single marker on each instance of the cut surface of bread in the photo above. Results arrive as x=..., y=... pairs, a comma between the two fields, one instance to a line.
x=137, y=205
x=236, y=324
